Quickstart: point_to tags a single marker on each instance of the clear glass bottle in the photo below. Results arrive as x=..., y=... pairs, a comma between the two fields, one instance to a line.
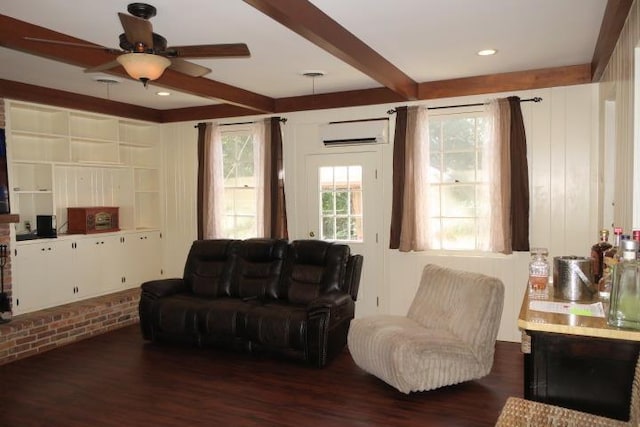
x=624, y=308
x=538, y=271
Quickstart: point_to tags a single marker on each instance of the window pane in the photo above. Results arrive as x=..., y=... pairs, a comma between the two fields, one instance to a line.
x=459, y=133
x=326, y=178
x=356, y=229
x=435, y=161
x=458, y=201
x=245, y=201
x=458, y=234
x=356, y=203
x=355, y=177
x=229, y=201
x=327, y=203
x=328, y=229
x=342, y=228
x=340, y=174
x=460, y=167
x=434, y=200
x=482, y=129
x=435, y=127
x=245, y=227
x=342, y=203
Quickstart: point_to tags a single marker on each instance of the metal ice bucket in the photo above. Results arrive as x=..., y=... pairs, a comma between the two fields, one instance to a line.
x=573, y=279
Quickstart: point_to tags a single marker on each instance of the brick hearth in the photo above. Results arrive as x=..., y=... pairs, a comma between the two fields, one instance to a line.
x=43, y=330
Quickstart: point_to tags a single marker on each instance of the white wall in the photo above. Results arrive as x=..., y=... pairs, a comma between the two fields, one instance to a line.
x=562, y=134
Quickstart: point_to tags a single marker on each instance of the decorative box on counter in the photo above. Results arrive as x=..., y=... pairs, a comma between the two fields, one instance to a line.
x=95, y=219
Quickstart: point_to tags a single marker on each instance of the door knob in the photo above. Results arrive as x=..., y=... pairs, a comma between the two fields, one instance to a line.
x=312, y=234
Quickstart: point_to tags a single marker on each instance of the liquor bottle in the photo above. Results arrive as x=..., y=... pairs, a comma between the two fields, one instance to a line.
x=538, y=271
x=610, y=259
x=597, y=253
x=624, y=308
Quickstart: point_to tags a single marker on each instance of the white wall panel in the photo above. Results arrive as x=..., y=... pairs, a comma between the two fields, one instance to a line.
x=180, y=179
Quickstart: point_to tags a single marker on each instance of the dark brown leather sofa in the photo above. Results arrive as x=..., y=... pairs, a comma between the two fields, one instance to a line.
x=295, y=299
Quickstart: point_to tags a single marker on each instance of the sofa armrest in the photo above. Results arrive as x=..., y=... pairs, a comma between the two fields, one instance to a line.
x=330, y=300
x=155, y=289
x=334, y=307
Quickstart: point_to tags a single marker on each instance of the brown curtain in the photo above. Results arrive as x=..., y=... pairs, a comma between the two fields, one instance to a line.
x=397, y=203
x=519, y=178
x=202, y=131
x=275, y=215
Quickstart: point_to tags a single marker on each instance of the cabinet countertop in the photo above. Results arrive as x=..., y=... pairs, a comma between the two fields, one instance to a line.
x=570, y=324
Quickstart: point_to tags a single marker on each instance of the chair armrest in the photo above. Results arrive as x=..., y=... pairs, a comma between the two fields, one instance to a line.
x=155, y=289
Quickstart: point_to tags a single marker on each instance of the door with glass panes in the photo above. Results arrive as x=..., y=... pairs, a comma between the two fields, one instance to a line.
x=344, y=194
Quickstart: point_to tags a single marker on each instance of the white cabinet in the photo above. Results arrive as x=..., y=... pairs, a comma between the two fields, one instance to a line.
x=51, y=272
x=41, y=273
x=105, y=260
x=143, y=257
x=60, y=158
x=65, y=158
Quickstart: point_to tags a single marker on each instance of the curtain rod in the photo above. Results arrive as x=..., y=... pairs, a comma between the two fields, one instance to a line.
x=535, y=99
x=282, y=119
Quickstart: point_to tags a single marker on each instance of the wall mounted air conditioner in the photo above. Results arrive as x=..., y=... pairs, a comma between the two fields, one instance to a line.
x=355, y=132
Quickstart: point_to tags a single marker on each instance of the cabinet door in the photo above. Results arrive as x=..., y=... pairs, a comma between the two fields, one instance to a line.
x=106, y=263
x=143, y=257
x=81, y=277
x=34, y=277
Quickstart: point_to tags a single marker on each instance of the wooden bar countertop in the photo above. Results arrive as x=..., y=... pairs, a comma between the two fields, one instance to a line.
x=570, y=324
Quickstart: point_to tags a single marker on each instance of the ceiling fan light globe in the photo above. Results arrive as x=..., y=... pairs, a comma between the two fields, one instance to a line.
x=144, y=66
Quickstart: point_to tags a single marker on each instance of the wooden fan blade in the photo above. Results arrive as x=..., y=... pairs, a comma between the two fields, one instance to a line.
x=103, y=67
x=210, y=51
x=188, y=68
x=137, y=30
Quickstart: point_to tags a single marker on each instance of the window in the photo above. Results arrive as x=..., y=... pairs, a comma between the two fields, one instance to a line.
x=458, y=197
x=240, y=207
x=341, y=203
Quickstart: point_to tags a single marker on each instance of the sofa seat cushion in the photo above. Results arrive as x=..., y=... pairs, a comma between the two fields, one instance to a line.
x=177, y=314
x=277, y=325
x=224, y=317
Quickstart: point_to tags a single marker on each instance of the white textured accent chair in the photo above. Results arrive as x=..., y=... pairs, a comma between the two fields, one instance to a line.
x=447, y=337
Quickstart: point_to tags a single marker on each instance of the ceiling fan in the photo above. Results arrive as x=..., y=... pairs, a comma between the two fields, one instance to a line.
x=145, y=54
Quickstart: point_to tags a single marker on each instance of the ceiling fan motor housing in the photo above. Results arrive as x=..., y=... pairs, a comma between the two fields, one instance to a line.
x=159, y=44
x=142, y=10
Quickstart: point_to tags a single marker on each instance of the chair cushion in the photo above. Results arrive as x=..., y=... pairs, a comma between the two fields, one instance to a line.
x=408, y=356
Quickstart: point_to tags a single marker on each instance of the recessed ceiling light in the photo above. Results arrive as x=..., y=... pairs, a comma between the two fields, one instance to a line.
x=163, y=93
x=487, y=52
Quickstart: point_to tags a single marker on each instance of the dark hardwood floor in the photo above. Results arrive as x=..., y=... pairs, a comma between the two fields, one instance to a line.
x=118, y=380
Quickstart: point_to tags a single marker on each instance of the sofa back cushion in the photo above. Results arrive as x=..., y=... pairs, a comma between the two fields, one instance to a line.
x=257, y=268
x=313, y=268
x=209, y=265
